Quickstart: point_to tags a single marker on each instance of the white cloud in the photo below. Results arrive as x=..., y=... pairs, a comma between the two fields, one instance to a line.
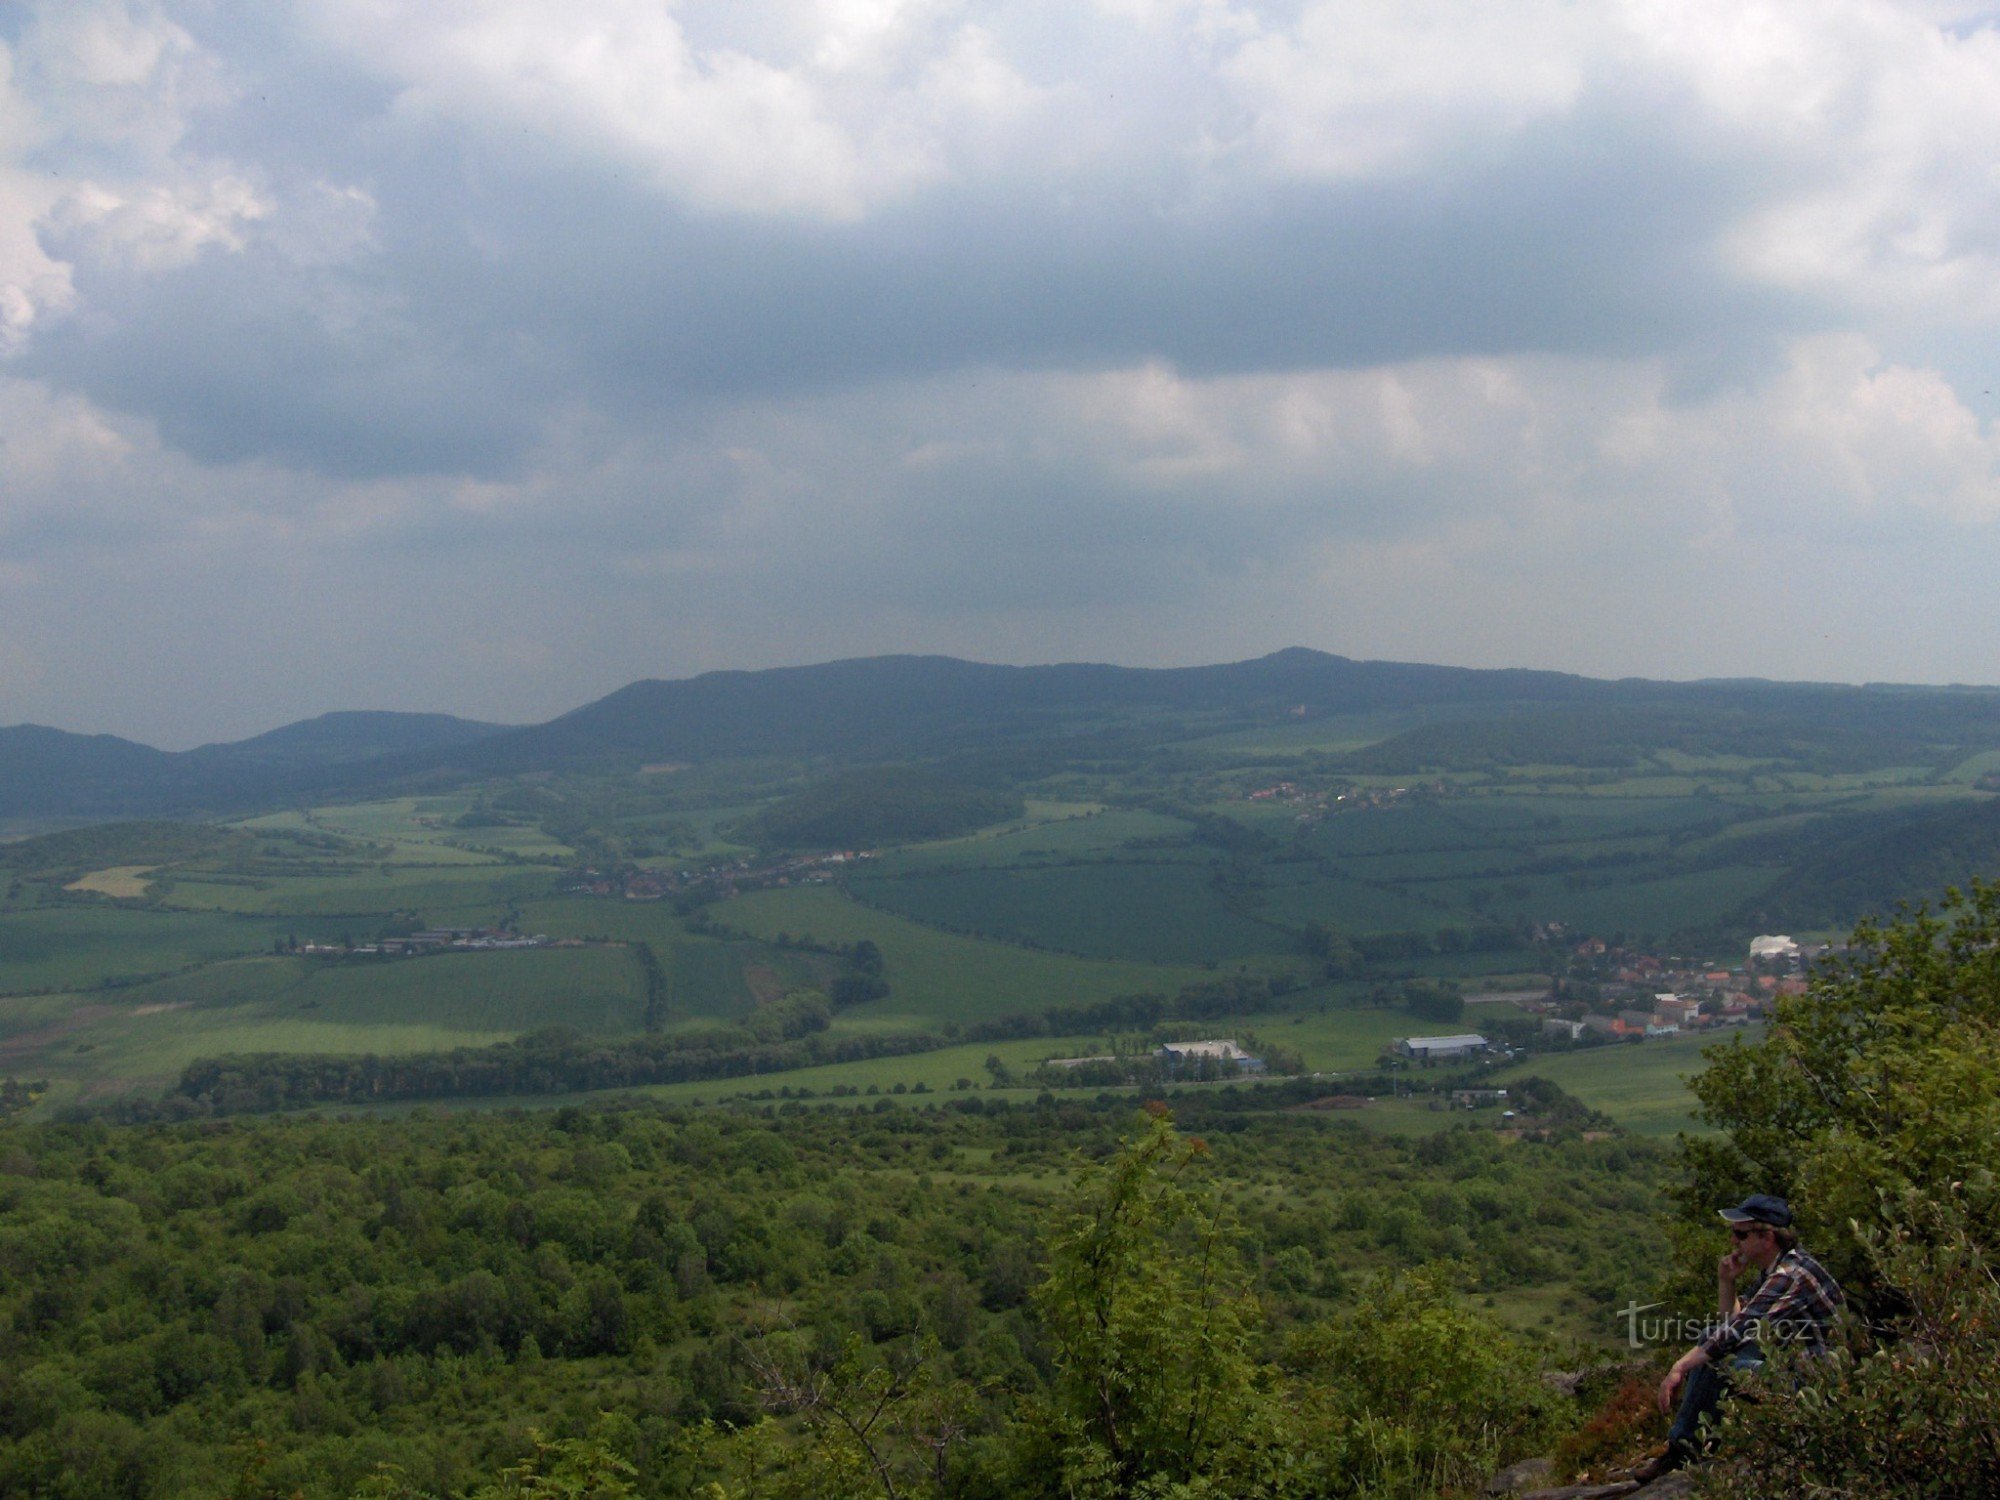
x=1388, y=86
x=154, y=228
x=33, y=286
x=118, y=74
x=860, y=118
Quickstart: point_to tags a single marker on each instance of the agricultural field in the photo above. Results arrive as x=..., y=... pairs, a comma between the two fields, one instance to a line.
x=939, y=976
x=476, y=897
x=1641, y=1085
x=1156, y=913
x=141, y=1036
x=84, y=945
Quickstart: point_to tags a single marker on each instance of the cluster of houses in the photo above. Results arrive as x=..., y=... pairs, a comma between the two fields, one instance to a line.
x=1656, y=997
x=725, y=879
x=1316, y=805
x=1215, y=1056
x=432, y=940
x=1702, y=999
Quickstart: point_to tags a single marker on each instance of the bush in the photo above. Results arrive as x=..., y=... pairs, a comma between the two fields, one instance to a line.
x=1413, y=1393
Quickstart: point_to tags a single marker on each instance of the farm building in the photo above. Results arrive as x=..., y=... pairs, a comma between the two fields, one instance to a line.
x=1218, y=1053
x=1437, y=1048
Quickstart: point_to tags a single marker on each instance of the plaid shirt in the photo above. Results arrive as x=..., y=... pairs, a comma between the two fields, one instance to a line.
x=1795, y=1302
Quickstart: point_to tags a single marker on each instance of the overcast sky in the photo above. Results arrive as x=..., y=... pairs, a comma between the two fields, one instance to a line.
x=485, y=355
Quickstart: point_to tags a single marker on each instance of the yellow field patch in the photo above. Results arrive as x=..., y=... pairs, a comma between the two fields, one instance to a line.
x=126, y=881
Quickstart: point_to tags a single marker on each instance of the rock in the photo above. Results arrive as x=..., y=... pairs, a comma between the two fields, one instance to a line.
x=1666, y=1487
x=1586, y=1491
x=1524, y=1475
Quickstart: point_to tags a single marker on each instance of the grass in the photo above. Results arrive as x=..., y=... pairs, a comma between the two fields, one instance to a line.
x=1338, y=1039
x=939, y=976
x=1677, y=903
x=1157, y=913
x=419, y=829
x=707, y=978
x=1081, y=834
x=120, y=882
x=481, y=897
x=1351, y=906
x=80, y=946
x=1641, y=1085
x=142, y=1036
x=937, y=1071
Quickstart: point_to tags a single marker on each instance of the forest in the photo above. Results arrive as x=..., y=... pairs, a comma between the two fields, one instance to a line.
x=970, y=1297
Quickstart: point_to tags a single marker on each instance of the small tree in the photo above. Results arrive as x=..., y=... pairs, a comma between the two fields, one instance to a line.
x=1148, y=1308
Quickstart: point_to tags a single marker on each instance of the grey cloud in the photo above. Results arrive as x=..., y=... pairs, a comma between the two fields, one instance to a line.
x=510, y=277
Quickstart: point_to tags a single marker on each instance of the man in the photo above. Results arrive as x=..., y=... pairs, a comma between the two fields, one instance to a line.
x=1795, y=1302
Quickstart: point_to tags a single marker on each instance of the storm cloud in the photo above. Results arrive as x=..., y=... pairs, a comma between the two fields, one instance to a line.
x=482, y=355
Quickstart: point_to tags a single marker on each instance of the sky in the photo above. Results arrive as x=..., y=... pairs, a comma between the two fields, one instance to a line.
x=481, y=356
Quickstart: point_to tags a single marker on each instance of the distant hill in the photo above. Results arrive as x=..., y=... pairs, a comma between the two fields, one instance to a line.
x=50, y=773
x=336, y=738
x=890, y=707
x=916, y=708
x=1805, y=726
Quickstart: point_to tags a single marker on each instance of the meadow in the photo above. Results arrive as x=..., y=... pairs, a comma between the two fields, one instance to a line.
x=936, y=976
x=80, y=945
x=141, y=1036
x=1641, y=1085
x=1169, y=913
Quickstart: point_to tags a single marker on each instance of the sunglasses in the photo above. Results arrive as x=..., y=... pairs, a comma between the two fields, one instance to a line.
x=1744, y=1234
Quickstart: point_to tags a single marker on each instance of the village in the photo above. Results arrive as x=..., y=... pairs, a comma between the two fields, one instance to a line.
x=1645, y=998
x=434, y=940
x=718, y=881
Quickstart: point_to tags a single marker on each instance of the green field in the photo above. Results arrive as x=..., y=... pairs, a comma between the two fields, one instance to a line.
x=1156, y=913
x=706, y=977
x=939, y=976
x=1072, y=836
x=144, y=1034
x=1698, y=899
x=1337, y=1039
x=1351, y=906
x=480, y=896
x=1641, y=1085
x=421, y=829
x=78, y=946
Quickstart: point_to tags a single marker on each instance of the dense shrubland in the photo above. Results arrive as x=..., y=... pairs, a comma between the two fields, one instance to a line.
x=309, y=1303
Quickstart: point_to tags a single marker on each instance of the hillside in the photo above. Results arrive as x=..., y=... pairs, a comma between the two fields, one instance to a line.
x=916, y=708
x=52, y=774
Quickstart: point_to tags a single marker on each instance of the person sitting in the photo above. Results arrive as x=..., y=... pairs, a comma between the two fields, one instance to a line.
x=1794, y=1303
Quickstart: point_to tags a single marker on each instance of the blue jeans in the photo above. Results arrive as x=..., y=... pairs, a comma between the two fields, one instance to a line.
x=1702, y=1393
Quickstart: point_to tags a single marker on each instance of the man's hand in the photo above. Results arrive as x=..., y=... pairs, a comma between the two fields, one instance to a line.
x=1670, y=1387
x=1730, y=1266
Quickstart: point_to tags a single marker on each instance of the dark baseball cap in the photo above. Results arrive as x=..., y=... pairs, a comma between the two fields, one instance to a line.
x=1760, y=1208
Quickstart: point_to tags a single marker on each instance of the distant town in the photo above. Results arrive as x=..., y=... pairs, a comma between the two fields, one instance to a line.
x=717, y=881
